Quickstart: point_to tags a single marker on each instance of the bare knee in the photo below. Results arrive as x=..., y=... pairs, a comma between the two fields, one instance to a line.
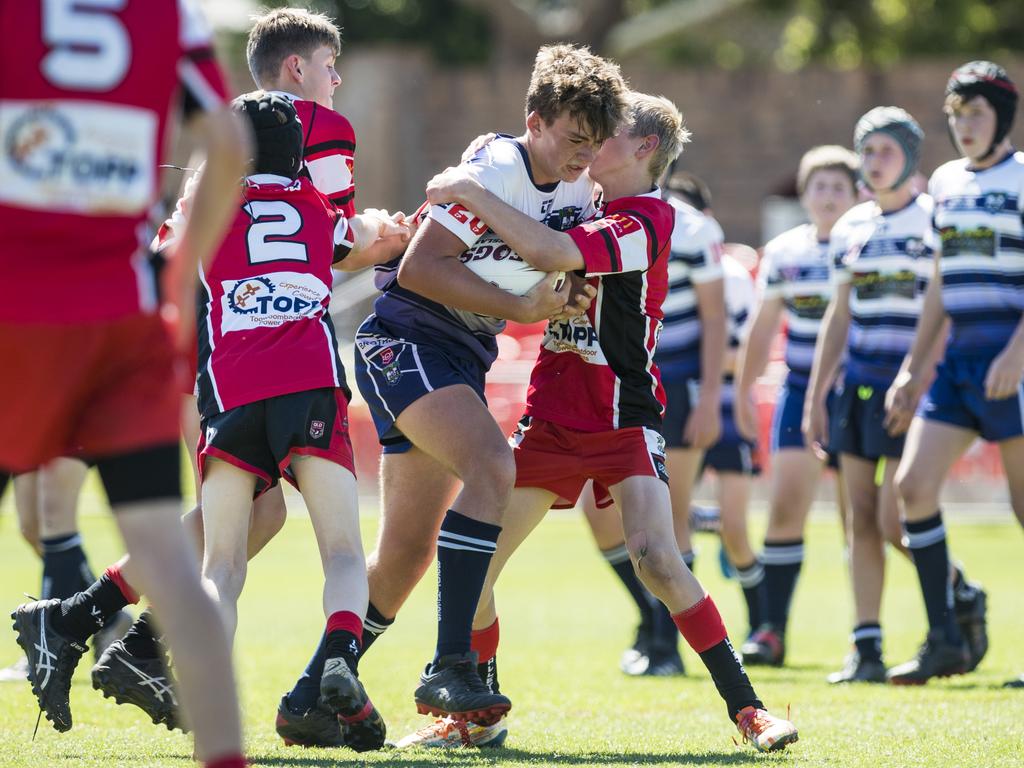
x=227, y=575
x=492, y=474
x=655, y=562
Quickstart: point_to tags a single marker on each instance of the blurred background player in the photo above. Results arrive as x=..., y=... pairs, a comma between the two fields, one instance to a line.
x=595, y=401
x=793, y=281
x=97, y=357
x=46, y=502
x=975, y=234
x=877, y=251
x=436, y=320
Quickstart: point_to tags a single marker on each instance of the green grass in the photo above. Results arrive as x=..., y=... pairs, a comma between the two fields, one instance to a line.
x=564, y=622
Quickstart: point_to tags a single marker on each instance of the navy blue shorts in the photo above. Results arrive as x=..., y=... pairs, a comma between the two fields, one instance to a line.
x=737, y=457
x=680, y=395
x=788, y=416
x=856, y=424
x=957, y=397
x=393, y=373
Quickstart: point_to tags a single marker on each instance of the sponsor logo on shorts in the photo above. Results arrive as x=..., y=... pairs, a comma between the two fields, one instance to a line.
x=211, y=434
x=316, y=429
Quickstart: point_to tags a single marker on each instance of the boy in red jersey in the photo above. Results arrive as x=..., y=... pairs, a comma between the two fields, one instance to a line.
x=84, y=115
x=595, y=401
x=272, y=390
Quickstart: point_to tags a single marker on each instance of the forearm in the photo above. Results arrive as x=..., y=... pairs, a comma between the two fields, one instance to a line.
x=712, y=354
x=756, y=349
x=538, y=245
x=828, y=352
x=447, y=281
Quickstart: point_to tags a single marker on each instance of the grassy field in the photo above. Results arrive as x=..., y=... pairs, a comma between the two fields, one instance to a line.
x=564, y=622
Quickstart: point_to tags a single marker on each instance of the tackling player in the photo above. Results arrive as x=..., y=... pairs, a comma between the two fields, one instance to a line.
x=84, y=116
x=595, y=402
x=793, y=281
x=422, y=359
x=977, y=236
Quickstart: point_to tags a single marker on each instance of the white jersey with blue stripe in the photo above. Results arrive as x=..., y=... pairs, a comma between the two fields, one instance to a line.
x=502, y=167
x=978, y=232
x=695, y=258
x=796, y=269
x=886, y=261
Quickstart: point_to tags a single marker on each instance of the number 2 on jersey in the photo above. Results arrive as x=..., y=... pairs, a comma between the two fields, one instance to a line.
x=273, y=222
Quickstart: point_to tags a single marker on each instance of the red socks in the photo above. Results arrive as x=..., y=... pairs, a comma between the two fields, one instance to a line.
x=485, y=642
x=231, y=761
x=701, y=624
x=114, y=574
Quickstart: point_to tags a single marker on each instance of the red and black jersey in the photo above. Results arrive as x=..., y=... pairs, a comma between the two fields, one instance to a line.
x=597, y=371
x=264, y=327
x=328, y=154
x=88, y=91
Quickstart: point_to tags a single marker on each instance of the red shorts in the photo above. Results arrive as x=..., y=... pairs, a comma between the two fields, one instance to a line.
x=94, y=390
x=562, y=460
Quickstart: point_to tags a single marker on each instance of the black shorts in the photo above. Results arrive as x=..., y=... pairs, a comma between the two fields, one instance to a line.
x=735, y=457
x=856, y=423
x=262, y=437
x=680, y=397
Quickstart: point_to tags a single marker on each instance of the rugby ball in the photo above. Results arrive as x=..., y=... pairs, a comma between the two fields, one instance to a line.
x=494, y=261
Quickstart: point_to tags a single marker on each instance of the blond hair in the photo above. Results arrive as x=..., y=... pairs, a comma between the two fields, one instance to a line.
x=571, y=78
x=284, y=32
x=648, y=115
x=827, y=157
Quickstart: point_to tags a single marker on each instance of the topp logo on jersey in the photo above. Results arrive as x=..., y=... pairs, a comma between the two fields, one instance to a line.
x=576, y=335
x=271, y=300
x=80, y=156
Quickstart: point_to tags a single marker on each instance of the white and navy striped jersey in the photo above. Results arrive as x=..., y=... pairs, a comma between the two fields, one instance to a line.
x=978, y=230
x=503, y=167
x=695, y=258
x=796, y=268
x=886, y=260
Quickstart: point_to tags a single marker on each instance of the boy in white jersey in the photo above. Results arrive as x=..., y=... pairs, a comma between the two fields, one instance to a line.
x=793, y=280
x=978, y=239
x=877, y=249
x=422, y=358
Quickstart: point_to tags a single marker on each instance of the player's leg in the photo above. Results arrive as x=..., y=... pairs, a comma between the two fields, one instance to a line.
x=168, y=573
x=455, y=428
x=932, y=447
x=415, y=492
x=796, y=472
x=645, y=504
x=867, y=567
x=1012, y=453
x=26, y=504
x=227, y=492
x=734, y=489
x=606, y=527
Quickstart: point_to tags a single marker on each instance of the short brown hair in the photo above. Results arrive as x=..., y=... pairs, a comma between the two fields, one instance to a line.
x=648, y=115
x=283, y=32
x=569, y=77
x=827, y=157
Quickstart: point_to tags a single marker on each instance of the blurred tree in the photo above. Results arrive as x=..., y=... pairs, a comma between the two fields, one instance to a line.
x=791, y=33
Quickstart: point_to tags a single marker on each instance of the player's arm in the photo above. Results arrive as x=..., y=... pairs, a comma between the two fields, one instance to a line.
x=926, y=349
x=705, y=422
x=828, y=353
x=431, y=268
x=752, y=358
x=369, y=238
x=539, y=246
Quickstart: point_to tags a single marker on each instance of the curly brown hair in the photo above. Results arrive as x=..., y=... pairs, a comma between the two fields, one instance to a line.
x=282, y=32
x=571, y=78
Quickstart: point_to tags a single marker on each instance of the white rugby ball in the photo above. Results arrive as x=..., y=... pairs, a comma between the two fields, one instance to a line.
x=494, y=261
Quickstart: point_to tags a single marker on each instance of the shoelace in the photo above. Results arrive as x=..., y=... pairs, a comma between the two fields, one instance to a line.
x=443, y=727
x=467, y=674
